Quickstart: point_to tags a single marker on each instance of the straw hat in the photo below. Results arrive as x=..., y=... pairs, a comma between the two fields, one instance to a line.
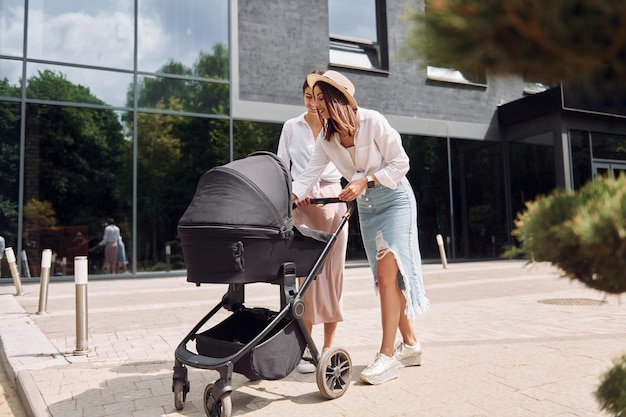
x=337, y=80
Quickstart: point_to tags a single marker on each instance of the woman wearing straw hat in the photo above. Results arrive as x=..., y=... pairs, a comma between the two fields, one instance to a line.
x=368, y=153
x=323, y=300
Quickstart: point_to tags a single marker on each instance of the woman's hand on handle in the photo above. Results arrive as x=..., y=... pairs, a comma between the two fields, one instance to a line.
x=302, y=203
x=353, y=189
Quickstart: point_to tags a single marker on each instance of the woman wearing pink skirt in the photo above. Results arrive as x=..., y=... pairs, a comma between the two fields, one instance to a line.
x=323, y=298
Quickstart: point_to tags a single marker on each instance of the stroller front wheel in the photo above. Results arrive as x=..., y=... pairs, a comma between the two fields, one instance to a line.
x=333, y=373
x=223, y=407
x=179, y=394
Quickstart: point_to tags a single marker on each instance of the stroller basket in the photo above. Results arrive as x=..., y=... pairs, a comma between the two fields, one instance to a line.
x=273, y=358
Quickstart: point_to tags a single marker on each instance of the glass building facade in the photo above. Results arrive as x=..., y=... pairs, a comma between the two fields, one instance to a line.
x=114, y=109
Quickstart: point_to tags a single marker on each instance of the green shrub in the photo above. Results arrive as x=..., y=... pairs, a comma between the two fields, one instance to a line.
x=583, y=233
x=612, y=391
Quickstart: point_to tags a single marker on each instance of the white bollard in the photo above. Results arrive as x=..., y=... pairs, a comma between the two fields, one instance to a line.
x=80, y=279
x=168, y=256
x=46, y=262
x=442, y=251
x=14, y=272
x=25, y=264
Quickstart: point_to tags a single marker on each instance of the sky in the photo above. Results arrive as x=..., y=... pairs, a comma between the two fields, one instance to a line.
x=101, y=33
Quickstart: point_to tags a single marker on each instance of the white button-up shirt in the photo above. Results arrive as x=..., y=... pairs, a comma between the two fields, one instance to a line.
x=378, y=151
x=295, y=148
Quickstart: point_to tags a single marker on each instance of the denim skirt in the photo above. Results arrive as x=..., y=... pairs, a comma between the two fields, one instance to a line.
x=388, y=220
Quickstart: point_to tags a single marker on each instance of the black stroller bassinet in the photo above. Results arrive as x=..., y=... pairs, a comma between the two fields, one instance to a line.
x=238, y=230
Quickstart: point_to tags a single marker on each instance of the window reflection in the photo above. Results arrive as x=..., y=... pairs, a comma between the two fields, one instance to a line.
x=362, y=22
x=430, y=181
x=250, y=137
x=11, y=27
x=173, y=153
x=178, y=31
x=9, y=174
x=73, y=176
x=608, y=146
x=101, y=87
x=79, y=161
x=10, y=75
x=479, y=205
x=98, y=33
x=581, y=157
x=455, y=76
x=360, y=41
x=182, y=95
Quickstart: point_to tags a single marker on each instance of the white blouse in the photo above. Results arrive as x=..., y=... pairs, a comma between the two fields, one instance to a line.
x=295, y=147
x=378, y=151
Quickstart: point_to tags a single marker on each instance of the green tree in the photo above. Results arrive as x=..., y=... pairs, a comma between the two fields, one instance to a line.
x=10, y=157
x=559, y=40
x=72, y=154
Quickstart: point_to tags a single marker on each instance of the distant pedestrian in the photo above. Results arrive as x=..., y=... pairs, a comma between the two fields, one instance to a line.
x=1, y=247
x=110, y=242
x=122, y=261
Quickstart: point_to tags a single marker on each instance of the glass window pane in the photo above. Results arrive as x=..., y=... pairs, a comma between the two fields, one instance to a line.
x=10, y=75
x=532, y=170
x=98, y=33
x=429, y=178
x=454, y=76
x=74, y=180
x=479, y=205
x=78, y=85
x=250, y=137
x=581, y=157
x=11, y=27
x=9, y=175
x=353, y=19
x=179, y=31
x=182, y=95
x=608, y=146
x=173, y=153
x=351, y=56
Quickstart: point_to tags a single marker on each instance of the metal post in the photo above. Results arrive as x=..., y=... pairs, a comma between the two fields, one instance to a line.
x=14, y=272
x=25, y=264
x=46, y=262
x=168, y=256
x=442, y=251
x=80, y=279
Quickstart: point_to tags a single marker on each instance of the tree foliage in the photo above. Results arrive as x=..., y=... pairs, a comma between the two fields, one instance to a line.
x=583, y=233
x=557, y=40
x=611, y=393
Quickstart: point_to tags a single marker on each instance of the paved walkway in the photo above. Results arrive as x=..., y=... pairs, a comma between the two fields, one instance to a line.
x=501, y=339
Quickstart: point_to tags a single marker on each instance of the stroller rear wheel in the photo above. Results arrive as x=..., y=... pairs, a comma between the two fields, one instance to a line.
x=333, y=373
x=223, y=407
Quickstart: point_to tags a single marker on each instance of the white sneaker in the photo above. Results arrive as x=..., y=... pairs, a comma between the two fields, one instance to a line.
x=305, y=367
x=383, y=369
x=408, y=355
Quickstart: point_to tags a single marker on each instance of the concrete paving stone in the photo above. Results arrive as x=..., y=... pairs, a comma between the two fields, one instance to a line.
x=491, y=347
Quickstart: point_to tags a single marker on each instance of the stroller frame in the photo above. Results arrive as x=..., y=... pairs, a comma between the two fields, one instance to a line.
x=333, y=368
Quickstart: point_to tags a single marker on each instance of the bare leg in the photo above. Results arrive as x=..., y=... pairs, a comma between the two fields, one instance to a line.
x=329, y=334
x=392, y=304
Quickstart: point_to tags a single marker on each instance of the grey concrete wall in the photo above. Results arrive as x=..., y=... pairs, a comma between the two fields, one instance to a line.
x=281, y=41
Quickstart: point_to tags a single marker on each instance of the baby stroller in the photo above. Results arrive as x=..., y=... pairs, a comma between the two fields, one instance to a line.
x=238, y=230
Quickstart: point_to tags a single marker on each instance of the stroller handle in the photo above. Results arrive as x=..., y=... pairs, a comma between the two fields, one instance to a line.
x=322, y=201
x=330, y=200
x=327, y=200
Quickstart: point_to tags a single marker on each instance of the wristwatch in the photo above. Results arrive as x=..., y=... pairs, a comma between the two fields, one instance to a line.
x=370, y=182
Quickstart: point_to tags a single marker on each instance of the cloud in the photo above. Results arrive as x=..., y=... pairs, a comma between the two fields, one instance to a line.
x=101, y=34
